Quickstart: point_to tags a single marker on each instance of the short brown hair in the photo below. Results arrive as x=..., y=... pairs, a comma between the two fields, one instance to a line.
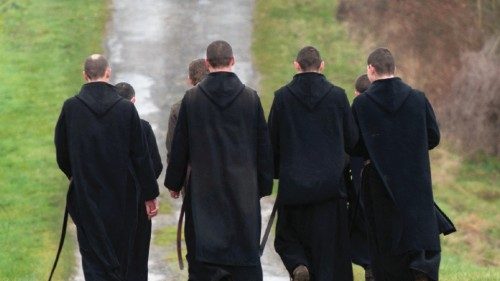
x=219, y=54
x=95, y=66
x=383, y=62
x=197, y=70
x=309, y=59
x=362, y=83
x=125, y=90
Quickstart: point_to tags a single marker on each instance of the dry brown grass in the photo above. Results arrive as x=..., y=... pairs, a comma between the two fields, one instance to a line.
x=444, y=48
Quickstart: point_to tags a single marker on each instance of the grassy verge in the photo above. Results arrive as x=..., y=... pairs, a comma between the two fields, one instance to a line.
x=43, y=45
x=282, y=28
x=468, y=191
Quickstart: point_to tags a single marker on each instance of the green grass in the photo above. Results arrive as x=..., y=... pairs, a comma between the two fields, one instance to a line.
x=282, y=28
x=43, y=44
x=467, y=190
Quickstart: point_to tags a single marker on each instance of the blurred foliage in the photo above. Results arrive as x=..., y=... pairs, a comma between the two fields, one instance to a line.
x=433, y=41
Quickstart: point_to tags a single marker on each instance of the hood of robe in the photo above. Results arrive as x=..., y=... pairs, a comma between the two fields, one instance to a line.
x=390, y=94
x=99, y=97
x=310, y=88
x=222, y=88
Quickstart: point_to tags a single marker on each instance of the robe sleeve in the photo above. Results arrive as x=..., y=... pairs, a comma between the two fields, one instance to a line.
x=350, y=128
x=360, y=148
x=264, y=155
x=61, y=142
x=275, y=138
x=179, y=155
x=433, y=135
x=172, y=121
x=153, y=149
x=141, y=159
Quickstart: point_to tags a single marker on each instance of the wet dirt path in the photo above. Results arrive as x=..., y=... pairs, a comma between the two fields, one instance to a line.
x=149, y=44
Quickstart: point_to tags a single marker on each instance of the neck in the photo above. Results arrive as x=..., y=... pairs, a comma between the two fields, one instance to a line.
x=221, y=69
x=106, y=80
x=309, y=71
x=384, y=76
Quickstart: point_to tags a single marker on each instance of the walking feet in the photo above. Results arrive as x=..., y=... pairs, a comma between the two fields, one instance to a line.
x=420, y=276
x=369, y=275
x=300, y=273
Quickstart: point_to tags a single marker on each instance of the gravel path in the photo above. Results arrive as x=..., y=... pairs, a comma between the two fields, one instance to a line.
x=150, y=44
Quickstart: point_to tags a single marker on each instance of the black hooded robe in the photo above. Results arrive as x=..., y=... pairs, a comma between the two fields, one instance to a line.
x=358, y=235
x=398, y=127
x=100, y=146
x=311, y=129
x=138, y=270
x=222, y=134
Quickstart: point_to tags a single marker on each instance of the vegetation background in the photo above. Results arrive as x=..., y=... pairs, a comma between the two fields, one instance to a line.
x=447, y=48
x=42, y=44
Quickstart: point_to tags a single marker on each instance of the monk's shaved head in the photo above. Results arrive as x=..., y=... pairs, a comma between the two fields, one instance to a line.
x=309, y=59
x=95, y=66
x=362, y=83
x=382, y=60
x=219, y=54
x=197, y=70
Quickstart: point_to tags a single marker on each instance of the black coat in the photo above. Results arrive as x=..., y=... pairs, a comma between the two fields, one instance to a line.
x=100, y=146
x=311, y=129
x=154, y=153
x=222, y=134
x=398, y=127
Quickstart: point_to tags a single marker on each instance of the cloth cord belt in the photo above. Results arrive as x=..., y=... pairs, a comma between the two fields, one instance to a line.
x=268, y=229
x=179, y=237
x=61, y=241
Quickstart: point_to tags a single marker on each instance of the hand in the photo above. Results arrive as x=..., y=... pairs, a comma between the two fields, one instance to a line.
x=174, y=194
x=152, y=207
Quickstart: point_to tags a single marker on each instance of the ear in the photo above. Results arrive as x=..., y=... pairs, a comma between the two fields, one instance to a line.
x=85, y=76
x=321, y=66
x=232, y=62
x=370, y=69
x=133, y=99
x=296, y=65
x=207, y=64
x=107, y=74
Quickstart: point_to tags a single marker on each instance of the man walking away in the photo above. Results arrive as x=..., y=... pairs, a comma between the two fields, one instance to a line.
x=222, y=134
x=100, y=147
x=311, y=129
x=138, y=270
x=398, y=127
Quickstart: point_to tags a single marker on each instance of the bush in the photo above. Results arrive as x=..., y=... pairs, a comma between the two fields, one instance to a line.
x=431, y=40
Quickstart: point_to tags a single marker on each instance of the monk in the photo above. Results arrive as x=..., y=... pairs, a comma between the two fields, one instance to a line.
x=312, y=129
x=101, y=148
x=222, y=135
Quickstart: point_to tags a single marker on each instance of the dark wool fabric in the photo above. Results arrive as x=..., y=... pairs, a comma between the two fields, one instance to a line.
x=358, y=235
x=311, y=130
x=172, y=121
x=398, y=127
x=387, y=266
x=204, y=271
x=138, y=270
x=100, y=146
x=222, y=134
x=316, y=236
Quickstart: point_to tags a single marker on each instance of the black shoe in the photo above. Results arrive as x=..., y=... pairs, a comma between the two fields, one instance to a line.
x=420, y=276
x=300, y=273
x=369, y=275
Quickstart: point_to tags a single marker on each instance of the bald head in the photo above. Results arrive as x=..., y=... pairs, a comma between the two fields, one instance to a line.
x=220, y=54
x=96, y=67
